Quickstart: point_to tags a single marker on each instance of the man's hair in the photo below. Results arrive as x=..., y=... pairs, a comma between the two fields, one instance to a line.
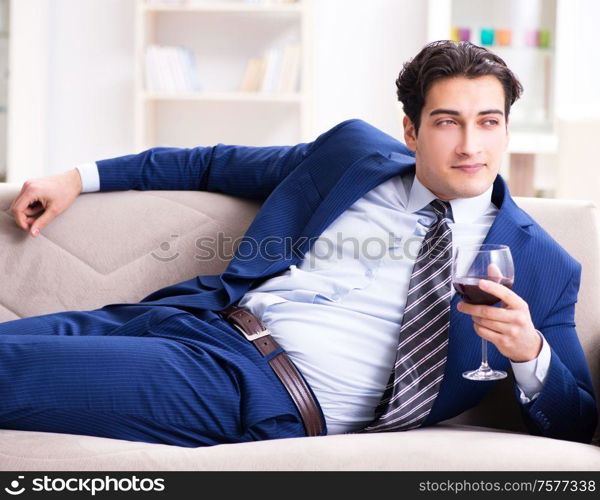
x=445, y=59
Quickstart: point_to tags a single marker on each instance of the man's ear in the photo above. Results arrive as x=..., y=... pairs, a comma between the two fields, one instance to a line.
x=410, y=133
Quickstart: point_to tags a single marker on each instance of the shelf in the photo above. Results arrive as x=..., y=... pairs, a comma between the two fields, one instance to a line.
x=168, y=116
x=225, y=8
x=223, y=96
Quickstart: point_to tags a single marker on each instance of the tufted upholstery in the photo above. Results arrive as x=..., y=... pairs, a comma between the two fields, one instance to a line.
x=119, y=247
x=113, y=247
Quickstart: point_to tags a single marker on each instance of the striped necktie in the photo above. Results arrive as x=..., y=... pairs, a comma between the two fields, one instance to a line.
x=421, y=356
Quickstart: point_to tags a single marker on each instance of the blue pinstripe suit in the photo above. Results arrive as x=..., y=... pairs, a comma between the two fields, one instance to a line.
x=168, y=369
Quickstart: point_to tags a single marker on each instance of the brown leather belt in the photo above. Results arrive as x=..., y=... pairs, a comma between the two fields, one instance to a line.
x=256, y=332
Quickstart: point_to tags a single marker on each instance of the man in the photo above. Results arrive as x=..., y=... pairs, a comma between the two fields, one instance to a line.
x=376, y=344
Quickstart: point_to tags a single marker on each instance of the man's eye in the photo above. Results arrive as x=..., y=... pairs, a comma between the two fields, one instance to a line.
x=491, y=122
x=445, y=122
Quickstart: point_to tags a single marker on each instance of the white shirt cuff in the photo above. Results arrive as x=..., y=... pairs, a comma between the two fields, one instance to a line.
x=531, y=375
x=90, y=178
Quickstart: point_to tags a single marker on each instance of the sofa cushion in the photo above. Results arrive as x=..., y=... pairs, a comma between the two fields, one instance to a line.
x=442, y=447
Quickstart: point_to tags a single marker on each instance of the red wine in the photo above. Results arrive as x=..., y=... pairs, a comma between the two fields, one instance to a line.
x=468, y=288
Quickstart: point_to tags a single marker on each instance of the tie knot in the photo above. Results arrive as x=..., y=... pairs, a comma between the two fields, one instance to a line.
x=442, y=209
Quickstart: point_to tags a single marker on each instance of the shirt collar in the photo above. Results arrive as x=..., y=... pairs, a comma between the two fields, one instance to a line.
x=464, y=210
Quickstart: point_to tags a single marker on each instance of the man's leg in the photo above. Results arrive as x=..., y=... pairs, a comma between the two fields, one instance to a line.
x=162, y=377
x=109, y=320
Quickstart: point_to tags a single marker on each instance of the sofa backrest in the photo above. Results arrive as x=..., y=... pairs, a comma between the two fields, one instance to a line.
x=121, y=246
x=115, y=247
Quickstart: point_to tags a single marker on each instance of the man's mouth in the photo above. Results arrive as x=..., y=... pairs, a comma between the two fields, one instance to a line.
x=470, y=168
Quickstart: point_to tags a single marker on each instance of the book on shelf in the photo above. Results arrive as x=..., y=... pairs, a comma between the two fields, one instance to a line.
x=277, y=72
x=290, y=72
x=273, y=65
x=253, y=75
x=171, y=69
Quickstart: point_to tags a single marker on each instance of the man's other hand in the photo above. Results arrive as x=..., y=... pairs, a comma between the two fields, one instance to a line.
x=43, y=199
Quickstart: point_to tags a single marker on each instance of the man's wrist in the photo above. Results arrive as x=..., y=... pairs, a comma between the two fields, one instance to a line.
x=531, y=375
x=76, y=179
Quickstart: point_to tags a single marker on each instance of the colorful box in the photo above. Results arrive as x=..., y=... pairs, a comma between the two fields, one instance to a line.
x=532, y=38
x=487, y=36
x=544, y=39
x=504, y=37
x=464, y=34
x=454, y=34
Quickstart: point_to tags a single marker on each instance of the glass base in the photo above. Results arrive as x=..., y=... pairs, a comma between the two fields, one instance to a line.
x=484, y=374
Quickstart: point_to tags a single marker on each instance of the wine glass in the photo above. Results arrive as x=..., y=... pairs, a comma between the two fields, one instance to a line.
x=472, y=263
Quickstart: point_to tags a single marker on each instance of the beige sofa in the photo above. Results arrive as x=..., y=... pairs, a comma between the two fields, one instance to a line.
x=116, y=247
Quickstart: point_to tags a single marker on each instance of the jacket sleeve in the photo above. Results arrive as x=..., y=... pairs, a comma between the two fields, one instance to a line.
x=566, y=407
x=244, y=171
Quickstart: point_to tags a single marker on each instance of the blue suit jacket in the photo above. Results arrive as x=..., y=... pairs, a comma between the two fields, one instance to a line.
x=306, y=186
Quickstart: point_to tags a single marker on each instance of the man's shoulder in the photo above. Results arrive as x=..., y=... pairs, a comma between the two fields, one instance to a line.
x=546, y=247
x=360, y=135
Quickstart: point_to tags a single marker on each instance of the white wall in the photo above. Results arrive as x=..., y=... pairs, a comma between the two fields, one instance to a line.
x=577, y=48
x=71, y=84
x=578, y=100
x=72, y=81
x=90, y=80
x=360, y=48
x=27, y=92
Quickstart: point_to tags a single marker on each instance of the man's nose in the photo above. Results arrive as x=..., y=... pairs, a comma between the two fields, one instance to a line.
x=469, y=144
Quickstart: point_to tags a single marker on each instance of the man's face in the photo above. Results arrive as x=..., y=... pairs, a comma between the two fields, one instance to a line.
x=462, y=137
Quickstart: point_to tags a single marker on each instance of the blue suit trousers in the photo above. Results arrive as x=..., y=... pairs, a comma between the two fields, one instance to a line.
x=141, y=373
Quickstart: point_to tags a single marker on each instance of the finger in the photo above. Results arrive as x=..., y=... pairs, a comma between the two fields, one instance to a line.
x=42, y=221
x=20, y=195
x=494, y=273
x=23, y=187
x=487, y=312
x=505, y=294
x=487, y=334
x=499, y=327
x=13, y=202
x=19, y=207
x=29, y=217
x=33, y=210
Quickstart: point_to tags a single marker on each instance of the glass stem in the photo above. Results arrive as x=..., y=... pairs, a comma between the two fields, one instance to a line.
x=484, y=355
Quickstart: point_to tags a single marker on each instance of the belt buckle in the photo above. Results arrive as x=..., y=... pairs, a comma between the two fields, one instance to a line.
x=253, y=336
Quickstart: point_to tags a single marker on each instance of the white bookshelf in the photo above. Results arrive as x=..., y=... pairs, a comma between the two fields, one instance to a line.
x=533, y=121
x=223, y=36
